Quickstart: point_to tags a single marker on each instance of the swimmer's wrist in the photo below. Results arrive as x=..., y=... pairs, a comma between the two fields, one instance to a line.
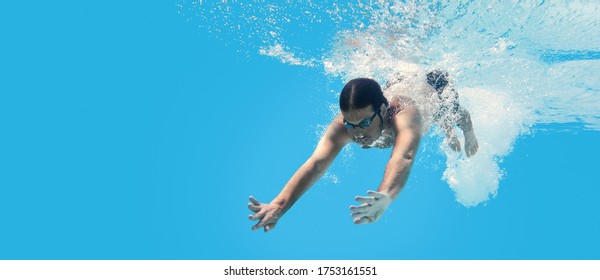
x=282, y=204
x=388, y=193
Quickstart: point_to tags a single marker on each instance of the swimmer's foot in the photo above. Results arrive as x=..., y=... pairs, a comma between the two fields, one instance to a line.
x=471, y=145
x=454, y=144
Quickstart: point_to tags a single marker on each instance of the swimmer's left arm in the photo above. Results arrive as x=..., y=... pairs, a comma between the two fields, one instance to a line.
x=407, y=126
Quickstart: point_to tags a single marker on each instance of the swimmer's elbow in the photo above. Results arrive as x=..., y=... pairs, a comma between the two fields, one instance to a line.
x=317, y=166
x=407, y=157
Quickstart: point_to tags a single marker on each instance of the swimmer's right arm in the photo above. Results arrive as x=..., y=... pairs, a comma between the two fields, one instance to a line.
x=332, y=142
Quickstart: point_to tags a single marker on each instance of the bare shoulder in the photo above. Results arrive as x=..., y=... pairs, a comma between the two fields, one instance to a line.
x=404, y=114
x=336, y=131
x=334, y=139
x=401, y=106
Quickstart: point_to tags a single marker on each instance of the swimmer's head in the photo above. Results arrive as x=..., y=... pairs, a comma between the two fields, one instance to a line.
x=362, y=104
x=360, y=93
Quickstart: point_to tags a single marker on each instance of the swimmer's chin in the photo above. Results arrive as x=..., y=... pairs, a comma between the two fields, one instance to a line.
x=365, y=144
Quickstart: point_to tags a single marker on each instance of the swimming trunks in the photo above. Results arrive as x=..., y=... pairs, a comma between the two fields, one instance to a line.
x=438, y=79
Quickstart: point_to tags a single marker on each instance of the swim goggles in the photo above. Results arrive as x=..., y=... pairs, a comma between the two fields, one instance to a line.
x=363, y=124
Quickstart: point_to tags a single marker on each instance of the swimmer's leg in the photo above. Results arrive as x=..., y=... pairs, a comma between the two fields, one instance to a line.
x=446, y=113
x=466, y=125
x=447, y=125
x=451, y=113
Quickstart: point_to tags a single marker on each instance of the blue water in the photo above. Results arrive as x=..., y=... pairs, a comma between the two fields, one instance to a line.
x=137, y=131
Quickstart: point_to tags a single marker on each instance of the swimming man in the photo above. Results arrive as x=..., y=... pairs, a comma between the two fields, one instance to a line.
x=370, y=119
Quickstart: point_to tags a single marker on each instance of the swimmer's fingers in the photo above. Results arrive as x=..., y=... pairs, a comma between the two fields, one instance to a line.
x=365, y=199
x=270, y=227
x=357, y=215
x=256, y=216
x=253, y=207
x=257, y=226
x=253, y=217
x=361, y=208
x=254, y=201
x=363, y=220
x=376, y=195
x=267, y=219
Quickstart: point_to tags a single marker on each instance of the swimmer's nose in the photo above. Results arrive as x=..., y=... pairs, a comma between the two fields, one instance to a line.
x=359, y=137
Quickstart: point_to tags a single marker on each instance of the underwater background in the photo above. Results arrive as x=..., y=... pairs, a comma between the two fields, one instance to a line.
x=138, y=130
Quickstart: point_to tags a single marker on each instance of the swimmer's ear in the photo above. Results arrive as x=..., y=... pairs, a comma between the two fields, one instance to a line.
x=383, y=109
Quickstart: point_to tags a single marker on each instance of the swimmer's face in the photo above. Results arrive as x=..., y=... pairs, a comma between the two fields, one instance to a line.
x=364, y=125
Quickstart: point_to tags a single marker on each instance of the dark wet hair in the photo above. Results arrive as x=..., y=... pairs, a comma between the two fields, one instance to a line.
x=360, y=93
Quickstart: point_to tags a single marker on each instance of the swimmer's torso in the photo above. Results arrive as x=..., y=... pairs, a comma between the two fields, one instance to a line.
x=388, y=136
x=415, y=92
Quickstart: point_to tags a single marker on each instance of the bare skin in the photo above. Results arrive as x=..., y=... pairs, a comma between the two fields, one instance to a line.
x=404, y=122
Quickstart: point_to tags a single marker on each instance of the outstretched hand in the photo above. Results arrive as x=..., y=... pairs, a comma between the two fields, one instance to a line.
x=266, y=214
x=372, y=209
